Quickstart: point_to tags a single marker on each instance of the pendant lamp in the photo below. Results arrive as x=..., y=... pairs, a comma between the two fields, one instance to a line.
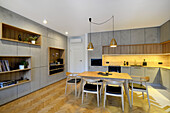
x=113, y=42
x=90, y=45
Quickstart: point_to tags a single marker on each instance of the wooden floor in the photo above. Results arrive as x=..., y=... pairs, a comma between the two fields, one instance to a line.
x=52, y=99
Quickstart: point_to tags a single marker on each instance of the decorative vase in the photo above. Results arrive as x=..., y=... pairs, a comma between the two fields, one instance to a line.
x=33, y=41
x=21, y=66
x=19, y=37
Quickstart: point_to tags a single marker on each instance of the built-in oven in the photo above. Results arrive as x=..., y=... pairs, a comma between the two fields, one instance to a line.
x=96, y=62
x=114, y=69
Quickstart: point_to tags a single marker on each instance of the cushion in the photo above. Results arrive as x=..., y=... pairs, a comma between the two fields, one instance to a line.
x=91, y=87
x=73, y=80
x=113, y=89
x=137, y=86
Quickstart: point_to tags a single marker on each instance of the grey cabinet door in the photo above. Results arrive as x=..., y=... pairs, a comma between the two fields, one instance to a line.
x=137, y=36
x=165, y=32
x=125, y=37
x=151, y=35
x=8, y=94
x=125, y=70
x=153, y=74
x=165, y=77
x=137, y=71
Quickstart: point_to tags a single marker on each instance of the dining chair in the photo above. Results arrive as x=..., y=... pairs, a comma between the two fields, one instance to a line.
x=91, y=86
x=72, y=79
x=139, y=84
x=114, y=88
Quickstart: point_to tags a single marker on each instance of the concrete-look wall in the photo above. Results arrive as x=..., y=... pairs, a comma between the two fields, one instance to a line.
x=40, y=78
x=123, y=37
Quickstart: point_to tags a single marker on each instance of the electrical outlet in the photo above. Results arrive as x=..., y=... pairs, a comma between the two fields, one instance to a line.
x=160, y=62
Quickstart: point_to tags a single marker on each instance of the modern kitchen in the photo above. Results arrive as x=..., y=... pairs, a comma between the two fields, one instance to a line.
x=85, y=56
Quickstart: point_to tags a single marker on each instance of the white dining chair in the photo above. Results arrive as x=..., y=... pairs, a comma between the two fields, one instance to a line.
x=139, y=84
x=114, y=88
x=91, y=86
x=72, y=80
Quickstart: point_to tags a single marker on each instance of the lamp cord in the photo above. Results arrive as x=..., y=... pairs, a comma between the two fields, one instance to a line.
x=90, y=28
x=102, y=22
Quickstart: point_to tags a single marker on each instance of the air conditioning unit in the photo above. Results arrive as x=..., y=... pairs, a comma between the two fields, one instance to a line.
x=75, y=40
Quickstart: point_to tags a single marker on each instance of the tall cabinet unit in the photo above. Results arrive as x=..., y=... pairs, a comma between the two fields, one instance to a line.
x=56, y=60
x=14, y=70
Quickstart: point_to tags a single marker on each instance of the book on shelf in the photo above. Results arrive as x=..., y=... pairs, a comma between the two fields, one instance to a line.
x=0, y=66
x=7, y=65
x=4, y=65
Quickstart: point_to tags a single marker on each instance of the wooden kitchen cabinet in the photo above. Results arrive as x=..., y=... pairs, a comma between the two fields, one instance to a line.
x=125, y=49
x=152, y=49
x=166, y=47
x=153, y=73
x=105, y=50
x=137, y=49
x=114, y=50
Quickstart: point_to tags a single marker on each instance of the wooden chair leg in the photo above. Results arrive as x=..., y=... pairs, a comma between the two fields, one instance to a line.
x=82, y=96
x=66, y=88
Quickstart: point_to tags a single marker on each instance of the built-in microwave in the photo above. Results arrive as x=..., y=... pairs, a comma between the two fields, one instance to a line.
x=96, y=62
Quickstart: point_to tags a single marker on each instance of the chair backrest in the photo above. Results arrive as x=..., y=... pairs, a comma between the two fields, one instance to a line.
x=141, y=78
x=91, y=80
x=114, y=82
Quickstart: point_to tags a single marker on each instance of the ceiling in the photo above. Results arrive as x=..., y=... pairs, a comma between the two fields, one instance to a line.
x=72, y=15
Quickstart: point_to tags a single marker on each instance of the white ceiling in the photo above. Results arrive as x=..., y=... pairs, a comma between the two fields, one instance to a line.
x=72, y=15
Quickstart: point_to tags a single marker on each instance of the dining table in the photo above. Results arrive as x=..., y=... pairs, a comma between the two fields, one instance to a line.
x=110, y=76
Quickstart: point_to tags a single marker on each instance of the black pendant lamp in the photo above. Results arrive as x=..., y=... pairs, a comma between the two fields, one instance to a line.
x=90, y=45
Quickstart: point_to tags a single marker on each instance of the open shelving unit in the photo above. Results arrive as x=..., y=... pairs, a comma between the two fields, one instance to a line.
x=12, y=75
x=56, y=60
x=11, y=33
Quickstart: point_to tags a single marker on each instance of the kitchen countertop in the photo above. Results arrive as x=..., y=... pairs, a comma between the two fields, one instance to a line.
x=165, y=67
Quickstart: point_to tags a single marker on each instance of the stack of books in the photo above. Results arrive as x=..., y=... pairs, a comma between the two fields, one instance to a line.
x=4, y=65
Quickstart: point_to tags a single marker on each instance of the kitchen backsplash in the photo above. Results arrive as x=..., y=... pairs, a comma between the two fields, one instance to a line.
x=152, y=60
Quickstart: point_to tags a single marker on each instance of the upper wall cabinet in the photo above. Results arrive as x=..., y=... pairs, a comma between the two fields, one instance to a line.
x=165, y=32
x=138, y=49
x=11, y=33
x=152, y=35
x=165, y=47
x=137, y=36
x=125, y=37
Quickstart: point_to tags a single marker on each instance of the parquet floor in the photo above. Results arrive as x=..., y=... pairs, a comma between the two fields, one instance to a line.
x=52, y=99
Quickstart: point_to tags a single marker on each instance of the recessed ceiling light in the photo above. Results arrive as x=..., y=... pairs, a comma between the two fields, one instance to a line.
x=66, y=33
x=45, y=21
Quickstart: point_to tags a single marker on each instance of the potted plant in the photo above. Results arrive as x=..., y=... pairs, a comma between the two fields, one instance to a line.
x=23, y=64
x=33, y=39
x=26, y=39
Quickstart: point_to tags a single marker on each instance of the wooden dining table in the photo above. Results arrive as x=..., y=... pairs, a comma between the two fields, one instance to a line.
x=112, y=76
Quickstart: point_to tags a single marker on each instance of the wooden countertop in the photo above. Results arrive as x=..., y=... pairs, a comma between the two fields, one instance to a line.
x=165, y=67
